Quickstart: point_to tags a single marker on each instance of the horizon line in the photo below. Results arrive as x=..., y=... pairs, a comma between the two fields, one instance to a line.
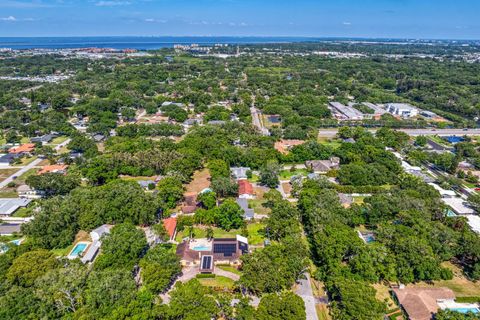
x=252, y=36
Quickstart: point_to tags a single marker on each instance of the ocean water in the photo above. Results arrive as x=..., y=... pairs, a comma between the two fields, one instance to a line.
x=139, y=43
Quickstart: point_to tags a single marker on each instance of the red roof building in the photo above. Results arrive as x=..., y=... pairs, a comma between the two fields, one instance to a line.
x=245, y=189
x=170, y=225
x=24, y=148
x=55, y=168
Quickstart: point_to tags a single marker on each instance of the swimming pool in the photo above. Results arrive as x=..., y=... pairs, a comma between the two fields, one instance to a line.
x=465, y=310
x=78, y=250
x=201, y=248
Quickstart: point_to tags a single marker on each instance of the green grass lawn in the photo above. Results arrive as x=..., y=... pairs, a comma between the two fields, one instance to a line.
x=59, y=140
x=24, y=176
x=229, y=269
x=25, y=161
x=255, y=178
x=287, y=174
x=218, y=281
x=63, y=252
x=8, y=194
x=255, y=234
x=22, y=213
x=257, y=206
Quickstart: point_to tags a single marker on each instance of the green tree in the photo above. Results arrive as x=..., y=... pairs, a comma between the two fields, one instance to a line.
x=229, y=215
x=170, y=191
x=53, y=183
x=159, y=267
x=283, y=306
x=122, y=248
x=192, y=301
x=269, y=175
x=29, y=266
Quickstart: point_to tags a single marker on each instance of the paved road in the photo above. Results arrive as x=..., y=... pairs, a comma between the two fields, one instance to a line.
x=17, y=174
x=29, y=166
x=330, y=133
x=304, y=290
x=256, y=121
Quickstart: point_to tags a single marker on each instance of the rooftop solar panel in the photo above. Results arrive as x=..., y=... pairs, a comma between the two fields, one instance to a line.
x=206, y=262
x=227, y=249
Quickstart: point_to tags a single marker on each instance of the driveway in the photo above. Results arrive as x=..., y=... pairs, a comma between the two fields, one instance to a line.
x=304, y=290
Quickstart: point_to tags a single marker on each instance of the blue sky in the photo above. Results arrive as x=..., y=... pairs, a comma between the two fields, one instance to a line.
x=453, y=19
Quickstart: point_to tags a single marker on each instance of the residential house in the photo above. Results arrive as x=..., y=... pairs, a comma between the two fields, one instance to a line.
x=239, y=173
x=245, y=190
x=170, y=225
x=93, y=249
x=9, y=206
x=189, y=202
x=24, y=191
x=345, y=199
x=146, y=184
x=323, y=166
x=422, y=303
x=221, y=250
x=47, y=138
x=284, y=145
x=7, y=159
x=55, y=168
x=248, y=213
x=24, y=149
x=98, y=137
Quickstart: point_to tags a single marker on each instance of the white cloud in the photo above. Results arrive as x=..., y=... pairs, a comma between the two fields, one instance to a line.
x=155, y=20
x=9, y=18
x=112, y=3
x=346, y=23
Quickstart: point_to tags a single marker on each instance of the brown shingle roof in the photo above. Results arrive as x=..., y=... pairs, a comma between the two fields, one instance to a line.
x=421, y=303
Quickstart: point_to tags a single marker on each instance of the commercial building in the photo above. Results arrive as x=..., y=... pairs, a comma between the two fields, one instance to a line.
x=344, y=112
x=403, y=110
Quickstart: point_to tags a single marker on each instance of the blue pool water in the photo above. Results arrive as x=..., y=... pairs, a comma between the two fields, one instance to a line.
x=79, y=248
x=465, y=310
x=201, y=248
x=369, y=238
x=16, y=242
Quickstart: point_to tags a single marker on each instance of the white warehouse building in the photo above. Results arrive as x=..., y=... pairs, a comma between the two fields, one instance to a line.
x=403, y=110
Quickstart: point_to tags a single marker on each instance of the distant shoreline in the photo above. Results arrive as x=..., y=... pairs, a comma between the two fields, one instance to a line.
x=153, y=42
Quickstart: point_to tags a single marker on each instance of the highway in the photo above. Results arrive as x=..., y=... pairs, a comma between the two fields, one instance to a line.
x=331, y=133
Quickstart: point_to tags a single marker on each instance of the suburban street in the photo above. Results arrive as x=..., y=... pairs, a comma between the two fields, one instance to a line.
x=21, y=171
x=29, y=166
x=304, y=290
x=331, y=133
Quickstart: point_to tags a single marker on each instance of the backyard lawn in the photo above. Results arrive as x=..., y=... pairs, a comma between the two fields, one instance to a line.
x=5, y=173
x=287, y=174
x=59, y=140
x=229, y=269
x=461, y=286
x=257, y=206
x=218, y=281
